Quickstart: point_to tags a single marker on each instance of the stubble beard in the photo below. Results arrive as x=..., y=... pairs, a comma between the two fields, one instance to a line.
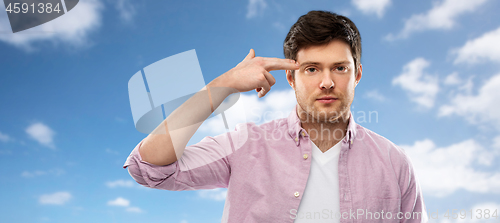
x=310, y=113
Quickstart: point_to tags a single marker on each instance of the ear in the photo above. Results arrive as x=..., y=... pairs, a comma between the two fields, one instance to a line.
x=359, y=74
x=290, y=79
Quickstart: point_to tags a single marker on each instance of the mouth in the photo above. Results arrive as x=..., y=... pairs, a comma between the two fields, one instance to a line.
x=327, y=99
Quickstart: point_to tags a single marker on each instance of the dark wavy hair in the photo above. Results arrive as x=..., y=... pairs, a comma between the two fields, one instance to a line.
x=321, y=27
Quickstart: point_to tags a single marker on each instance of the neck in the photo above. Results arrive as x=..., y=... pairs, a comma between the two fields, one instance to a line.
x=325, y=134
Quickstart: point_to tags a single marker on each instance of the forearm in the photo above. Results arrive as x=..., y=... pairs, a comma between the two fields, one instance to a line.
x=166, y=143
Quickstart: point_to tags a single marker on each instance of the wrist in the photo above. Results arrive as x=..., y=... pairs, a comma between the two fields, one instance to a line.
x=218, y=82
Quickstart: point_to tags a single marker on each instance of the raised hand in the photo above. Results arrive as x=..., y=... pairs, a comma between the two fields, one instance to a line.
x=253, y=73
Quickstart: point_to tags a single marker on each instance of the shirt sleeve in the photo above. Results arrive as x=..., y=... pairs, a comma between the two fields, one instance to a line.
x=204, y=165
x=412, y=200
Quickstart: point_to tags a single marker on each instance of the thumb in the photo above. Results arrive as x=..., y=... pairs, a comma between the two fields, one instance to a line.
x=250, y=55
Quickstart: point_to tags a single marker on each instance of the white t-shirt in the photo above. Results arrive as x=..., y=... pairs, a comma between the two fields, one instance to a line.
x=320, y=202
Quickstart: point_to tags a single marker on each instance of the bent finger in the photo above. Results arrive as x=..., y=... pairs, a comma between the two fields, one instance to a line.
x=265, y=88
x=270, y=79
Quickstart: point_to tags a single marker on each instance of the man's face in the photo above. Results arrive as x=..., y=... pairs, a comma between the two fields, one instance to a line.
x=324, y=84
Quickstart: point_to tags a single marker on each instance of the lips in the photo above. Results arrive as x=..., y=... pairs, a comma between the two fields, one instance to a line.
x=327, y=99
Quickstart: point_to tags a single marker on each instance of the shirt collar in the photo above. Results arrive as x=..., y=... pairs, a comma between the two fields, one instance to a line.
x=295, y=129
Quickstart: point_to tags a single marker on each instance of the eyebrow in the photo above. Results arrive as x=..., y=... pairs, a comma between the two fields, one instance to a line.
x=316, y=63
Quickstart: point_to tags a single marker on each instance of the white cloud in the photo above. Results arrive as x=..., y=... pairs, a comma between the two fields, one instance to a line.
x=71, y=28
x=458, y=84
x=184, y=221
x=477, y=109
x=452, y=79
x=255, y=7
x=126, y=10
x=42, y=134
x=478, y=50
x=122, y=202
x=496, y=142
x=120, y=183
x=218, y=194
x=374, y=94
x=4, y=137
x=376, y=7
x=58, y=198
x=421, y=87
x=452, y=167
x=134, y=209
x=488, y=205
x=442, y=16
x=276, y=104
x=119, y=202
x=35, y=173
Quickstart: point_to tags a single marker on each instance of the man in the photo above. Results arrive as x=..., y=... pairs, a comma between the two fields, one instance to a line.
x=317, y=165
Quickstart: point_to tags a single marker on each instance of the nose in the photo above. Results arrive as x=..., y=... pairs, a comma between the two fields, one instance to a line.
x=326, y=82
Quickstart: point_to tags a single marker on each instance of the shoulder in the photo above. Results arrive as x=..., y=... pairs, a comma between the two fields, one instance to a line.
x=273, y=125
x=385, y=147
x=244, y=133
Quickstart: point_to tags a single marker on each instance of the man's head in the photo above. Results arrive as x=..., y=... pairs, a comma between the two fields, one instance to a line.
x=321, y=27
x=328, y=48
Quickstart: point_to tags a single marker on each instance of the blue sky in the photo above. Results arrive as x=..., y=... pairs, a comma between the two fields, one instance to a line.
x=431, y=74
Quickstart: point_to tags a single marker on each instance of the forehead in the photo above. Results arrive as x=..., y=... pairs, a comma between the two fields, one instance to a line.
x=334, y=51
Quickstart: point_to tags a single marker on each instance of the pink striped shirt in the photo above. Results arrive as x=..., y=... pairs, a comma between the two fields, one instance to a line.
x=265, y=169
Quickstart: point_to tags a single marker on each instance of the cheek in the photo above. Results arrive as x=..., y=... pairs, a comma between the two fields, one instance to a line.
x=305, y=85
x=303, y=90
x=348, y=86
x=347, y=89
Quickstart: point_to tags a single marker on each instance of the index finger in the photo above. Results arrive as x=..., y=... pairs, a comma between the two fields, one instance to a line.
x=272, y=63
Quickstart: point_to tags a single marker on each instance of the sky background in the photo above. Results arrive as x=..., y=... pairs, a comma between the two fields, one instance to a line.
x=431, y=74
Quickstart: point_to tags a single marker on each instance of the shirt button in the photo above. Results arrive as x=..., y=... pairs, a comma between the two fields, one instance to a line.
x=305, y=156
x=296, y=139
x=296, y=194
x=303, y=134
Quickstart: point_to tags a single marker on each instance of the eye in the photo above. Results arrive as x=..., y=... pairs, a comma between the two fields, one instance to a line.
x=342, y=69
x=311, y=69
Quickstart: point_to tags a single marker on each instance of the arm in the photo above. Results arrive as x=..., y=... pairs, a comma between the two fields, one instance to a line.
x=167, y=142
x=412, y=200
x=204, y=165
